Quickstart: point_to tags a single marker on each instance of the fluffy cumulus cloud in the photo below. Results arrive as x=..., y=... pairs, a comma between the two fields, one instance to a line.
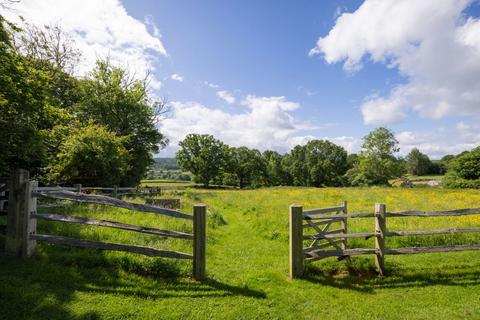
x=263, y=123
x=100, y=29
x=432, y=43
x=226, y=96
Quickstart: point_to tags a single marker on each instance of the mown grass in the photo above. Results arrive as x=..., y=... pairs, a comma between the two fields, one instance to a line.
x=247, y=264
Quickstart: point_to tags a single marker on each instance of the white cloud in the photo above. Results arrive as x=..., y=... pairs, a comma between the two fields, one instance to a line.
x=430, y=42
x=226, y=96
x=211, y=85
x=177, y=77
x=100, y=29
x=265, y=123
x=442, y=141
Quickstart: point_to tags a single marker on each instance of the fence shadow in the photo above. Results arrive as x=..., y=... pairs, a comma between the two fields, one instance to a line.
x=366, y=279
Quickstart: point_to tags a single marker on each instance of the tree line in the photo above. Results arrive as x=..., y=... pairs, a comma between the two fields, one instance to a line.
x=96, y=130
x=319, y=163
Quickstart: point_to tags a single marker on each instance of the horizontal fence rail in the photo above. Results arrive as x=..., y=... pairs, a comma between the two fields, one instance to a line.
x=21, y=237
x=99, y=199
x=321, y=219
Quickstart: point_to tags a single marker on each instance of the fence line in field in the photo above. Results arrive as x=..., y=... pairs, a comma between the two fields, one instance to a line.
x=321, y=220
x=21, y=231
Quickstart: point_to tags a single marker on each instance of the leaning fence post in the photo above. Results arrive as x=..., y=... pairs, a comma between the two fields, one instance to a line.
x=296, y=241
x=199, y=240
x=78, y=187
x=115, y=191
x=380, y=229
x=344, y=225
x=16, y=209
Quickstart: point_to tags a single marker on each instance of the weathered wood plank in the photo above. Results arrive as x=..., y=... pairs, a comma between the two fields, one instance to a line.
x=380, y=229
x=110, y=246
x=430, y=232
x=318, y=223
x=57, y=188
x=16, y=208
x=338, y=216
x=296, y=242
x=87, y=198
x=112, y=224
x=322, y=210
x=200, y=241
x=416, y=213
x=3, y=187
x=340, y=236
x=344, y=225
x=414, y=250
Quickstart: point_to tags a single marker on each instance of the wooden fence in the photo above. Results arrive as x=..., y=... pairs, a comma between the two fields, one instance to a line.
x=21, y=235
x=116, y=191
x=322, y=219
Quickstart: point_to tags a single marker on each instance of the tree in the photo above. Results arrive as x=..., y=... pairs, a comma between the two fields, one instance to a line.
x=275, y=174
x=202, y=155
x=111, y=97
x=247, y=165
x=377, y=162
x=464, y=170
x=418, y=163
x=318, y=163
x=326, y=163
x=91, y=155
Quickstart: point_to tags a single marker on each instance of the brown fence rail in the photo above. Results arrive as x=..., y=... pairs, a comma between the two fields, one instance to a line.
x=21, y=231
x=321, y=219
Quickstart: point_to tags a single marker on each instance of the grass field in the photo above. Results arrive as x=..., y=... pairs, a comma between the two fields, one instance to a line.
x=247, y=264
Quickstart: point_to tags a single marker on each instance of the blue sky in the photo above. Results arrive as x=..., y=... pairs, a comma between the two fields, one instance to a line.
x=272, y=74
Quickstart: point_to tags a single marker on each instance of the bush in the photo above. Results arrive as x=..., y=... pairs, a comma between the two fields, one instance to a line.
x=464, y=170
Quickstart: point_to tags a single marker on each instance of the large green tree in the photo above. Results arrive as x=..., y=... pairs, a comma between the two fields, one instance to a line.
x=111, y=97
x=377, y=160
x=247, y=165
x=275, y=173
x=204, y=156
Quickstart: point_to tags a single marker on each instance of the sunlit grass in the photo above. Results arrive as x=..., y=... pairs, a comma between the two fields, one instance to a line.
x=247, y=263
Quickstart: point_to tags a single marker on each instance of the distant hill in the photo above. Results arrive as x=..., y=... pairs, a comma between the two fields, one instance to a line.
x=166, y=164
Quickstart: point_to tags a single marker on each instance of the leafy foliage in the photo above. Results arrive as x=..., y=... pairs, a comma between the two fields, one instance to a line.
x=204, y=156
x=418, y=163
x=464, y=170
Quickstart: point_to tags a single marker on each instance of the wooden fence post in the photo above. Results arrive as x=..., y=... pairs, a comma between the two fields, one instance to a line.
x=17, y=206
x=296, y=241
x=344, y=225
x=199, y=241
x=115, y=191
x=380, y=229
x=78, y=187
x=29, y=224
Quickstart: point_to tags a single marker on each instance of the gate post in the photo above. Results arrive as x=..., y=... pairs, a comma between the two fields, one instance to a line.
x=17, y=206
x=380, y=229
x=199, y=241
x=296, y=241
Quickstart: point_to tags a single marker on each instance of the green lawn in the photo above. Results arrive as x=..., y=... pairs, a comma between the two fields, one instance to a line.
x=247, y=264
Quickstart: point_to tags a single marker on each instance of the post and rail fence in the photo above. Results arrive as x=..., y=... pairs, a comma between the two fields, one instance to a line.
x=21, y=232
x=321, y=220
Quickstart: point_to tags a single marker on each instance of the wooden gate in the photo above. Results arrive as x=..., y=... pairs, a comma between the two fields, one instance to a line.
x=22, y=224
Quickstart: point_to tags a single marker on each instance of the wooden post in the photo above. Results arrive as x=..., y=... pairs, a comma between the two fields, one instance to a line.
x=115, y=191
x=17, y=206
x=380, y=229
x=344, y=225
x=78, y=187
x=199, y=241
x=29, y=224
x=296, y=241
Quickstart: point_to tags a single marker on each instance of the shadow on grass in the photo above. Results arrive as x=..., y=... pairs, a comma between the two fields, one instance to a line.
x=46, y=285
x=365, y=278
